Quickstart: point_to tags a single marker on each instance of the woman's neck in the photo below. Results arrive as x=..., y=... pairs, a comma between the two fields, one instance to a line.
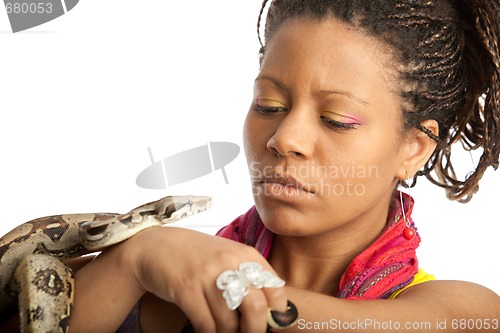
x=316, y=263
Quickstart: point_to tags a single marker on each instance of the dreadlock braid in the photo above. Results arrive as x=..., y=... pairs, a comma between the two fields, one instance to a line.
x=262, y=8
x=449, y=68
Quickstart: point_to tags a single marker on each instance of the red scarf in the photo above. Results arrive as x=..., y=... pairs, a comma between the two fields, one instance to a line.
x=386, y=266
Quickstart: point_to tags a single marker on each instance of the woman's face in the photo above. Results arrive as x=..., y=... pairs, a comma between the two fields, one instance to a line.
x=323, y=136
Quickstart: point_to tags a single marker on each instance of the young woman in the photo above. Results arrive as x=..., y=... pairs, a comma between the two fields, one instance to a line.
x=353, y=98
x=383, y=89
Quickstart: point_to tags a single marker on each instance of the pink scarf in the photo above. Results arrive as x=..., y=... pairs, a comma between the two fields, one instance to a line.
x=387, y=265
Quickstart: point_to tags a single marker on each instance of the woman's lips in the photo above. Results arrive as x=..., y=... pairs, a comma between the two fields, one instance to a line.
x=284, y=187
x=280, y=190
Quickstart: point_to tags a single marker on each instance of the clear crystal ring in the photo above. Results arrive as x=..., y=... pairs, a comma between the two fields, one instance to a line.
x=236, y=283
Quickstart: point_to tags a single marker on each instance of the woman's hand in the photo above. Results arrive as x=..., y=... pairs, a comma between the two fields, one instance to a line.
x=181, y=266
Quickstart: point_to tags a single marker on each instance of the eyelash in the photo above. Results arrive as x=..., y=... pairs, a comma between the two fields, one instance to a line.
x=268, y=110
x=337, y=124
x=333, y=124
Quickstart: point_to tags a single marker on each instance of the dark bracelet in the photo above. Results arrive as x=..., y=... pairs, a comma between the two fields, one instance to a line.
x=282, y=320
x=188, y=327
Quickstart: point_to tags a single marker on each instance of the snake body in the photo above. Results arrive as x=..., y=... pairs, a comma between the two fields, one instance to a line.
x=31, y=255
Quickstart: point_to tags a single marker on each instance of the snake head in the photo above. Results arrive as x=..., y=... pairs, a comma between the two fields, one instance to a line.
x=96, y=235
x=179, y=207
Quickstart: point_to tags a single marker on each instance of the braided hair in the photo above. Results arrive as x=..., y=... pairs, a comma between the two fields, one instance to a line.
x=449, y=67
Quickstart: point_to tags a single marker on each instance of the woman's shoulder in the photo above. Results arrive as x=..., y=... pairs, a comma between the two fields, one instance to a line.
x=463, y=298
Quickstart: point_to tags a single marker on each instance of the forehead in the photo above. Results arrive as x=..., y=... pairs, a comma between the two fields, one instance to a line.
x=326, y=51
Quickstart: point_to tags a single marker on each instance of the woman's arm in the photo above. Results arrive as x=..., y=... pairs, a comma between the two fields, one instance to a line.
x=105, y=292
x=180, y=267
x=434, y=306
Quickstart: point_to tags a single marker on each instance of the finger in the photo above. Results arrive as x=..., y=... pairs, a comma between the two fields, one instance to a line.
x=276, y=298
x=196, y=308
x=226, y=320
x=253, y=312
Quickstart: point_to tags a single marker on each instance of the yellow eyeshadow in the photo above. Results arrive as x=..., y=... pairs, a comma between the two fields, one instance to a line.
x=346, y=119
x=269, y=102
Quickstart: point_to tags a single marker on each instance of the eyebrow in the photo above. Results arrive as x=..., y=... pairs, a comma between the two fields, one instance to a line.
x=277, y=83
x=345, y=93
x=324, y=92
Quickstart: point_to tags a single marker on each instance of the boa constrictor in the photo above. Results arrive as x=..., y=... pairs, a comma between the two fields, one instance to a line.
x=31, y=268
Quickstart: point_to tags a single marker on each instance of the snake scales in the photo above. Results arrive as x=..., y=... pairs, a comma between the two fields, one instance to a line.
x=31, y=267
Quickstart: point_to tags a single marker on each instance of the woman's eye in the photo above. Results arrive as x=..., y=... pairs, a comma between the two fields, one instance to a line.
x=268, y=106
x=338, y=125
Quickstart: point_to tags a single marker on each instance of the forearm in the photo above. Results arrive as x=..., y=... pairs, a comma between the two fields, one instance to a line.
x=321, y=313
x=105, y=292
x=424, y=309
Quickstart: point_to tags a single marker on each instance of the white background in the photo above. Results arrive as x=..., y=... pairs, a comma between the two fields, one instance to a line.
x=84, y=96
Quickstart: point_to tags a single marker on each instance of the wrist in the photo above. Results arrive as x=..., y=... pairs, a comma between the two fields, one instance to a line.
x=130, y=258
x=105, y=283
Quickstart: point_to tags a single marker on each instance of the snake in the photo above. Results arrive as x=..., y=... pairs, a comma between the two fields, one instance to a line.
x=33, y=277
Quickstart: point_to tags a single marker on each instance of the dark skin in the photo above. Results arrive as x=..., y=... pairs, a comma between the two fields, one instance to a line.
x=314, y=76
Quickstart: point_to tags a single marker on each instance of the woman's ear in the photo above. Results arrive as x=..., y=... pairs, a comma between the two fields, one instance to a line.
x=418, y=150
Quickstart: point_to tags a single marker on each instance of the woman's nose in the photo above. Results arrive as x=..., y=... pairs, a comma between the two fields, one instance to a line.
x=294, y=136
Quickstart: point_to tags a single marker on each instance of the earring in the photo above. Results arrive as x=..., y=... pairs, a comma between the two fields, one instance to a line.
x=408, y=232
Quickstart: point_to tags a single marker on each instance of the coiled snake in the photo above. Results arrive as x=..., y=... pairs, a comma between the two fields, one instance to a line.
x=31, y=269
